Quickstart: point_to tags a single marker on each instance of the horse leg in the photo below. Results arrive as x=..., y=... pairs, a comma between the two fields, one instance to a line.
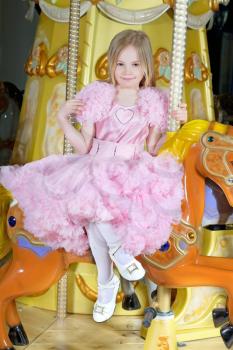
x=130, y=300
x=8, y=288
x=227, y=330
x=16, y=332
x=5, y=343
x=25, y=276
x=211, y=274
x=4, y=340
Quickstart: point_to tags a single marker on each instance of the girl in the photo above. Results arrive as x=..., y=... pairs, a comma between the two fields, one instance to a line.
x=126, y=198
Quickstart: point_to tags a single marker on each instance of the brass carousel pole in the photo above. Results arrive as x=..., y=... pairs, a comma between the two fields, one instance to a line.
x=162, y=332
x=71, y=87
x=178, y=57
x=175, y=97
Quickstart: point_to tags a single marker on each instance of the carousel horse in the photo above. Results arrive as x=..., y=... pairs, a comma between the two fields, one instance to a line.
x=22, y=273
x=34, y=266
x=178, y=263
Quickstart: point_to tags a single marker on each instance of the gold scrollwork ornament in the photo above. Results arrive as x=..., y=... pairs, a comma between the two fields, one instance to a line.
x=95, y=2
x=37, y=60
x=57, y=64
x=162, y=61
x=101, y=67
x=195, y=69
x=169, y=2
x=91, y=294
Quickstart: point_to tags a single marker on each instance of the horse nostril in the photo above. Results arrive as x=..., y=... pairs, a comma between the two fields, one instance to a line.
x=12, y=221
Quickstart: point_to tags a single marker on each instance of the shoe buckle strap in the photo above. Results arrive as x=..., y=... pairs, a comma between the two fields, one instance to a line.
x=99, y=309
x=132, y=267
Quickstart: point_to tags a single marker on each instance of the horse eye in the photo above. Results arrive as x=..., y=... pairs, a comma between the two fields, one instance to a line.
x=12, y=221
x=165, y=247
x=210, y=139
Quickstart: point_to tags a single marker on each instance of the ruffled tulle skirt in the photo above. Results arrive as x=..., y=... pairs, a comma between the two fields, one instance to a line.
x=60, y=195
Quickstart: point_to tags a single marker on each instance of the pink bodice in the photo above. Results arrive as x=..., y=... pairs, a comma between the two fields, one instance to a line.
x=123, y=125
x=121, y=131
x=117, y=123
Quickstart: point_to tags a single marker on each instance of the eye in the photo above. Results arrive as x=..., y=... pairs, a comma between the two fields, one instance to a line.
x=210, y=139
x=12, y=221
x=165, y=247
x=120, y=64
x=136, y=64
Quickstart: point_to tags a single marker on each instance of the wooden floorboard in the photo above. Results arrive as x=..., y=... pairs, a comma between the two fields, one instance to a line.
x=80, y=332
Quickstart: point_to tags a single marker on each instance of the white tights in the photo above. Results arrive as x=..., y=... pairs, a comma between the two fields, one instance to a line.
x=102, y=238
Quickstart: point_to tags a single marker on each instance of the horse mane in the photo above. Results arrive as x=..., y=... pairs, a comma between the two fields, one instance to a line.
x=178, y=143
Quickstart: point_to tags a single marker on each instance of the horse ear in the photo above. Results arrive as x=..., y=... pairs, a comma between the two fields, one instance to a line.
x=229, y=130
x=211, y=126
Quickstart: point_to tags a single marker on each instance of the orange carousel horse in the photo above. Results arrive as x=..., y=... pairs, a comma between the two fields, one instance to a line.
x=178, y=263
x=34, y=267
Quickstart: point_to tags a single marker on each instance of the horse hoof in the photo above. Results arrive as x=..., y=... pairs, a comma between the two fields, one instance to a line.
x=220, y=316
x=131, y=302
x=227, y=335
x=18, y=335
x=154, y=294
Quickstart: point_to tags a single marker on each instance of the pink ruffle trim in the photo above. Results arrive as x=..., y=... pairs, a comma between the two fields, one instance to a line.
x=140, y=197
x=152, y=103
x=98, y=98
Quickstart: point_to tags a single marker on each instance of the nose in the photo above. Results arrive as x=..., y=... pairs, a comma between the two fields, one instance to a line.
x=128, y=69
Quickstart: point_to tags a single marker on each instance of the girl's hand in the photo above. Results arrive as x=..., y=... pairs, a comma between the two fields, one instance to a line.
x=180, y=113
x=70, y=107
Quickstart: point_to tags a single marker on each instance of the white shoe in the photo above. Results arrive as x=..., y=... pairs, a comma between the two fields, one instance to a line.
x=102, y=312
x=133, y=271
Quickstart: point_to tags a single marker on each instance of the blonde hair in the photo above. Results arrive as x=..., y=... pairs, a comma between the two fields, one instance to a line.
x=140, y=41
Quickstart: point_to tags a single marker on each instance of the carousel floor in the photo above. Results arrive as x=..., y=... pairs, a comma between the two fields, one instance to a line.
x=80, y=332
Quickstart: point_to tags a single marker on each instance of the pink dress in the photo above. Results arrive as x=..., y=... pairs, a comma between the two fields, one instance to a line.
x=117, y=181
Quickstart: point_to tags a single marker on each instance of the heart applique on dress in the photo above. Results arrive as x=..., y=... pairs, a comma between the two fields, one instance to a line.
x=124, y=115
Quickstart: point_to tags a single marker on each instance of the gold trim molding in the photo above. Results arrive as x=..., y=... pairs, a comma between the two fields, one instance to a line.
x=38, y=63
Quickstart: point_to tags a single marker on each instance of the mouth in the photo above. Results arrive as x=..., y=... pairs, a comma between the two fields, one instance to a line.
x=127, y=78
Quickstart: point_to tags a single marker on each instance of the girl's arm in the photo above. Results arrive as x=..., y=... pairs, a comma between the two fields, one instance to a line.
x=153, y=139
x=80, y=140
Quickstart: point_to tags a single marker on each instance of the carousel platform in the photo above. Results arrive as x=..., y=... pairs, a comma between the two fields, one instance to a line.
x=80, y=332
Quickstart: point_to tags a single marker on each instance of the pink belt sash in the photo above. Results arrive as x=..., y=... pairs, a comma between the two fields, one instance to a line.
x=106, y=149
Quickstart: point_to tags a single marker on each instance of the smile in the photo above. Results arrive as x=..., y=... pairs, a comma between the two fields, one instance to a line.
x=127, y=78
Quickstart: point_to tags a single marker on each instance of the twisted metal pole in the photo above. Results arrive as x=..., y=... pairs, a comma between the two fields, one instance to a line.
x=71, y=87
x=73, y=46
x=178, y=56
x=165, y=317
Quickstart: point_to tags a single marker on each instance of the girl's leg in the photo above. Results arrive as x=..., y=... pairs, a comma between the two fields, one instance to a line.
x=128, y=267
x=108, y=282
x=103, y=262
x=113, y=243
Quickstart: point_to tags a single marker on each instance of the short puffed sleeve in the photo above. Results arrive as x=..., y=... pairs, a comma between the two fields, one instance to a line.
x=98, y=98
x=154, y=106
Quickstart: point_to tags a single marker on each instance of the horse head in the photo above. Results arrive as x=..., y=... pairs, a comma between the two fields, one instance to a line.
x=216, y=161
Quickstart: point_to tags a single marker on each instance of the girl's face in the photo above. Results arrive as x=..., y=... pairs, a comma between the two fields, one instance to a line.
x=128, y=72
